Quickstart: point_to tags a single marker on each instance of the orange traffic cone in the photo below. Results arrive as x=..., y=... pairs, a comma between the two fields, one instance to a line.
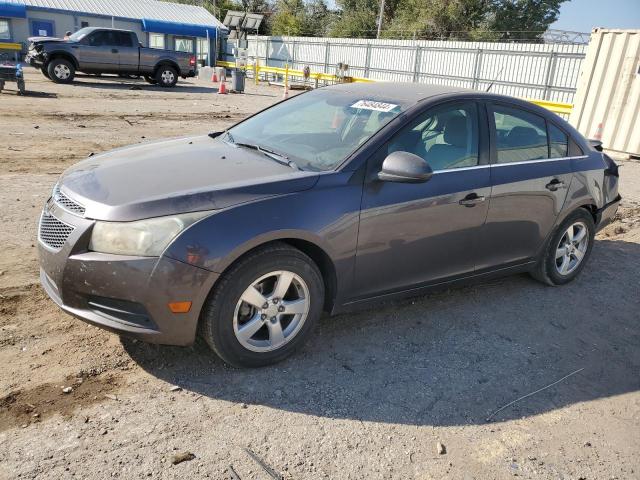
x=598, y=134
x=214, y=77
x=222, y=89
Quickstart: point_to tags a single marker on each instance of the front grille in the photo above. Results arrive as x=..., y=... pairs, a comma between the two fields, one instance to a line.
x=53, y=232
x=66, y=203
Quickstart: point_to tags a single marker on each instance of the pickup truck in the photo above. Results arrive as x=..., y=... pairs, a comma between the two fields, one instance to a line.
x=98, y=50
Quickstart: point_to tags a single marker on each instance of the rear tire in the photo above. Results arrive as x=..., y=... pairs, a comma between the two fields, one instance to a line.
x=568, y=250
x=61, y=71
x=281, y=279
x=167, y=76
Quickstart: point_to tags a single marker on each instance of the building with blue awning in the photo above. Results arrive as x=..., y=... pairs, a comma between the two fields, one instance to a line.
x=174, y=26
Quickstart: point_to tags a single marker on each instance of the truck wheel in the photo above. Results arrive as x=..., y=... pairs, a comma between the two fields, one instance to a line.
x=150, y=79
x=61, y=70
x=45, y=73
x=166, y=76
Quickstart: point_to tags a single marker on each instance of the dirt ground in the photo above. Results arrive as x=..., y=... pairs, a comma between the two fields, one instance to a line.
x=369, y=397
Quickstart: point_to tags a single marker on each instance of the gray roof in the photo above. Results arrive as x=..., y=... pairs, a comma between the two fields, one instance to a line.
x=135, y=9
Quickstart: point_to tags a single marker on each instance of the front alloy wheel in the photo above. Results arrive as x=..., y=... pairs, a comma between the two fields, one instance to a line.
x=61, y=70
x=271, y=311
x=264, y=307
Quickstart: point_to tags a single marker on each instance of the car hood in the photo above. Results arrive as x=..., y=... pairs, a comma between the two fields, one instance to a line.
x=46, y=39
x=177, y=176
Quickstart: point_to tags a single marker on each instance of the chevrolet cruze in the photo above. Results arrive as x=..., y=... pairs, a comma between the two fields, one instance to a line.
x=329, y=200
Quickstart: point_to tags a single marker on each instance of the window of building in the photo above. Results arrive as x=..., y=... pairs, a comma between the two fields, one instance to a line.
x=156, y=40
x=520, y=135
x=5, y=33
x=446, y=137
x=203, y=50
x=184, y=44
x=558, y=142
x=84, y=24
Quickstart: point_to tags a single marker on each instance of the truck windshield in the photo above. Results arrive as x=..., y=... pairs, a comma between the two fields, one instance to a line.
x=80, y=34
x=318, y=130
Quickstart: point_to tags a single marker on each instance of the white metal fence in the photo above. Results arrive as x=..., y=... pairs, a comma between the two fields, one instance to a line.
x=541, y=71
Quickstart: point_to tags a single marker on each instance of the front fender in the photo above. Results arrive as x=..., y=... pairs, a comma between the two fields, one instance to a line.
x=326, y=216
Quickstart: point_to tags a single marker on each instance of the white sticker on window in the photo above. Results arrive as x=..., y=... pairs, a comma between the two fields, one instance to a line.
x=373, y=105
x=43, y=33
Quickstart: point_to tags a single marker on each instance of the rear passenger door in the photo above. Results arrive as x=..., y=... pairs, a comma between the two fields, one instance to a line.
x=530, y=176
x=127, y=52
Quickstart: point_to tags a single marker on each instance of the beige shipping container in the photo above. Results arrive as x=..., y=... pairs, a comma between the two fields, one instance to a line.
x=607, y=102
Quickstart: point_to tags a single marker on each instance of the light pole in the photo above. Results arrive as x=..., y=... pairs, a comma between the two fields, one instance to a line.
x=380, y=18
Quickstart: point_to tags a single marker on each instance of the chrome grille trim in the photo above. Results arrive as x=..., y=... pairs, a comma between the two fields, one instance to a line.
x=53, y=232
x=66, y=203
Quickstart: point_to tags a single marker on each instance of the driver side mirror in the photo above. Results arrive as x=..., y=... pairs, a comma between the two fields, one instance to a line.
x=405, y=167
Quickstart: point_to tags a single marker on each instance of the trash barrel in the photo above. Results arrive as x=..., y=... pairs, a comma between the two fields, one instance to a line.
x=237, y=80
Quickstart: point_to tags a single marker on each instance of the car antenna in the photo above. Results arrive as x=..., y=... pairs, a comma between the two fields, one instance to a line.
x=494, y=80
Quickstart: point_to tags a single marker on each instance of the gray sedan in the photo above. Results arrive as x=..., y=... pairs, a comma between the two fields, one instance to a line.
x=330, y=200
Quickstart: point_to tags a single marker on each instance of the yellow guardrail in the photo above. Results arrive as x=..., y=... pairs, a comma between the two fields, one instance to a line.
x=555, y=107
x=11, y=46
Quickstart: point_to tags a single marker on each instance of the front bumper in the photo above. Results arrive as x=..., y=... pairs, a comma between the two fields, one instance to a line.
x=606, y=214
x=34, y=60
x=122, y=294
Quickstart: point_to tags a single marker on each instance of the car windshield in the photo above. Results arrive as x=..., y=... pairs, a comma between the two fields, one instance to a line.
x=80, y=34
x=317, y=130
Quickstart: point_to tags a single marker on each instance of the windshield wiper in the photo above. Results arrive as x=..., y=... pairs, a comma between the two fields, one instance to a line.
x=278, y=157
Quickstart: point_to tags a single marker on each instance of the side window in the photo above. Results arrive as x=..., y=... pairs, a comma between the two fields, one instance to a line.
x=520, y=135
x=558, y=142
x=100, y=38
x=123, y=39
x=446, y=137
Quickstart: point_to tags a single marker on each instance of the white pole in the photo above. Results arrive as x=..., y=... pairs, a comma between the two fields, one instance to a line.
x=380, y=18
x=208, y=50
x=113, y=22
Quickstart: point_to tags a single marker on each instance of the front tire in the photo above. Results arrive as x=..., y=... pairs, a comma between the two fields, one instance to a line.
x=264, y=308
x=61, y=70
x=45, y=73
x=167, y=76
x=568, y=250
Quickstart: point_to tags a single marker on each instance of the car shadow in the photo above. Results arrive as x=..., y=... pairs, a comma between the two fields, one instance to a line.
x=448, y=358
x=118, y=83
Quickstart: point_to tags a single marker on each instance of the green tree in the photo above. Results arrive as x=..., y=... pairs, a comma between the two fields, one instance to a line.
x=523, y=19
x=289, y=18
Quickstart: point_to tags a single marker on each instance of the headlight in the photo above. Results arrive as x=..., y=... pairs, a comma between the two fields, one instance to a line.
x=145, y=238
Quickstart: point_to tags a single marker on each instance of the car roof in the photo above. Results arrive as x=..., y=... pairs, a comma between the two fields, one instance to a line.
x=402, y=92
x=93, y=29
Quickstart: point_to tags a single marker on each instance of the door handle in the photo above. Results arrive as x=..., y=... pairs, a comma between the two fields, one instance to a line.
x=114, y=50
x=472, y=200
x=554, y=185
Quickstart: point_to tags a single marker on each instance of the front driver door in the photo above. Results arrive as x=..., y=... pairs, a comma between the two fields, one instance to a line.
x=413, y=234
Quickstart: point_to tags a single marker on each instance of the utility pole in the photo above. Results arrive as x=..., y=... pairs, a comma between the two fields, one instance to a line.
x=380, y=18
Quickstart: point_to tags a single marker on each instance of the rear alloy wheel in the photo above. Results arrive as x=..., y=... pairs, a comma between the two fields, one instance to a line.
x=167, y=76
x=264, y=308
x=61, y=70
x=568, y=249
